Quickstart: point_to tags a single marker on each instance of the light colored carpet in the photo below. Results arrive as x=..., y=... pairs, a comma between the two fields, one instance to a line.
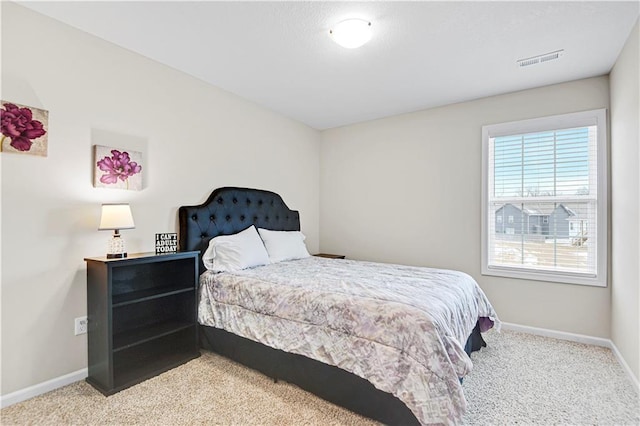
x=525, y=379
x=517, y=379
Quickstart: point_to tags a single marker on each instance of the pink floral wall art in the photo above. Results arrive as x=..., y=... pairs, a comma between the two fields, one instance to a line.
x=23, y=129
x=117, y=168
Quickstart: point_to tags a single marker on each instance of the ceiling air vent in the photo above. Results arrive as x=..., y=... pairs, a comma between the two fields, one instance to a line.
x=546, y=57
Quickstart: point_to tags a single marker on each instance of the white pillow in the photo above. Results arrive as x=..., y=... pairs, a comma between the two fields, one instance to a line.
x=228, y=253
x=284, y=245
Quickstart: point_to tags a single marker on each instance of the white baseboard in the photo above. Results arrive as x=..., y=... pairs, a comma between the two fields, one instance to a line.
x=40, y=388
x=562, y=335
x=580, y=338
x=625, y=367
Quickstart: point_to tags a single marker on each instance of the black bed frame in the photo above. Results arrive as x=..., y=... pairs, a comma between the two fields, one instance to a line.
x=230, y=210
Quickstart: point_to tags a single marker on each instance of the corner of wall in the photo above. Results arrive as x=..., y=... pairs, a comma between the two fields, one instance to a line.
x=625, y=203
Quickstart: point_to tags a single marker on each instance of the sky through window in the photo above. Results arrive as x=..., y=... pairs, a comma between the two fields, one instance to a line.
x=552, y=163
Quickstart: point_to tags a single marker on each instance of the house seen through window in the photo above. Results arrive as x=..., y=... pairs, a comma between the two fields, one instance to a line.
x=548, y=178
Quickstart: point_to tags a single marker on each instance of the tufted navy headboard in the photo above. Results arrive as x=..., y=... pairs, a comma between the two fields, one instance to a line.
x=230, y=210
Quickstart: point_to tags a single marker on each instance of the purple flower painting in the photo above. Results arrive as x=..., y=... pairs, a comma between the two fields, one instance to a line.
x=23, y=129
x=117, y=168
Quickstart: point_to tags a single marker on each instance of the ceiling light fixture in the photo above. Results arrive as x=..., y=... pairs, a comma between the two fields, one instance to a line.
x=351, y=33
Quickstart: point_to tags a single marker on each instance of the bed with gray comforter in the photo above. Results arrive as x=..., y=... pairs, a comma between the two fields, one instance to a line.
x=402, y=328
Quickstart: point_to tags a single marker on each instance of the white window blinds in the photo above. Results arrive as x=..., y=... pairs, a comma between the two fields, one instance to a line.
x=543, y=204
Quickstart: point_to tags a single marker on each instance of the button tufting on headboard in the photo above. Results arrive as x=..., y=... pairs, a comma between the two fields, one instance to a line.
x=265, y=209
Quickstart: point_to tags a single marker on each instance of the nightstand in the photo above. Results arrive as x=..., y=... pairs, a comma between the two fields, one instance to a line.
x=141, y=313
x=330, y=256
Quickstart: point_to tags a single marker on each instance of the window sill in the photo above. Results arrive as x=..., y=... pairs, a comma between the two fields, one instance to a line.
x=556, y=277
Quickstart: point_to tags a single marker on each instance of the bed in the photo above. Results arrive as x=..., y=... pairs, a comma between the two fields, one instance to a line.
x=395, y=380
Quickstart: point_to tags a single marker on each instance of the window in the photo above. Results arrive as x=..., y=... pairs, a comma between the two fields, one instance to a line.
x=499, y=218
x=554, y=168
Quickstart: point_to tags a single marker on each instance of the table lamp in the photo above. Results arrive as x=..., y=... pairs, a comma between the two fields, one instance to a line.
x=116, y=217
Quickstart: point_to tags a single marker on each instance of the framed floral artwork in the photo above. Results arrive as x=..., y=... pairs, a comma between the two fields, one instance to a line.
x=23, y=129
x=117, y=168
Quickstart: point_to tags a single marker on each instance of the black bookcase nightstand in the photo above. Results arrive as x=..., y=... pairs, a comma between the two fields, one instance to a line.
x=141, y=313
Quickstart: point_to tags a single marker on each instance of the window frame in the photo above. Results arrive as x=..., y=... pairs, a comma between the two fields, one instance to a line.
x=596, y=117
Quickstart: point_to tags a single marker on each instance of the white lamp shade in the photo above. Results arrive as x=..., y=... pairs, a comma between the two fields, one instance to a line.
x=351, y=33
x=116, y=216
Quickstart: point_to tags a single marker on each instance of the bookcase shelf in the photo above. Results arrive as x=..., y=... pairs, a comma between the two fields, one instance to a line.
x=141, y=313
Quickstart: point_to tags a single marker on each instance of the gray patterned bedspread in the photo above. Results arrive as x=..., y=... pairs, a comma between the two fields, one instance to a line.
x=402, y=328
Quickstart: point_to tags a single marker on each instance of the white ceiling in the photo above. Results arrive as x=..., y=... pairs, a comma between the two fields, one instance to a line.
x=422, y=54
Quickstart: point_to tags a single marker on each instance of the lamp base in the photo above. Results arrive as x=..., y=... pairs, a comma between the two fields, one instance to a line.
x=116, y=255
x=115, y=247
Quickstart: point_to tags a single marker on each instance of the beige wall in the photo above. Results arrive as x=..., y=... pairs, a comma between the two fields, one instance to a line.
x=194, y=138
x=407, y=189
x=625, y=203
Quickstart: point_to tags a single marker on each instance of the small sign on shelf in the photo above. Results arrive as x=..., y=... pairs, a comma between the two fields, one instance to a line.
x=166, y=243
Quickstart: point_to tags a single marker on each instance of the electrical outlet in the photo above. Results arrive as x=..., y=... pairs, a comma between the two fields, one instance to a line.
x=81, y=325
